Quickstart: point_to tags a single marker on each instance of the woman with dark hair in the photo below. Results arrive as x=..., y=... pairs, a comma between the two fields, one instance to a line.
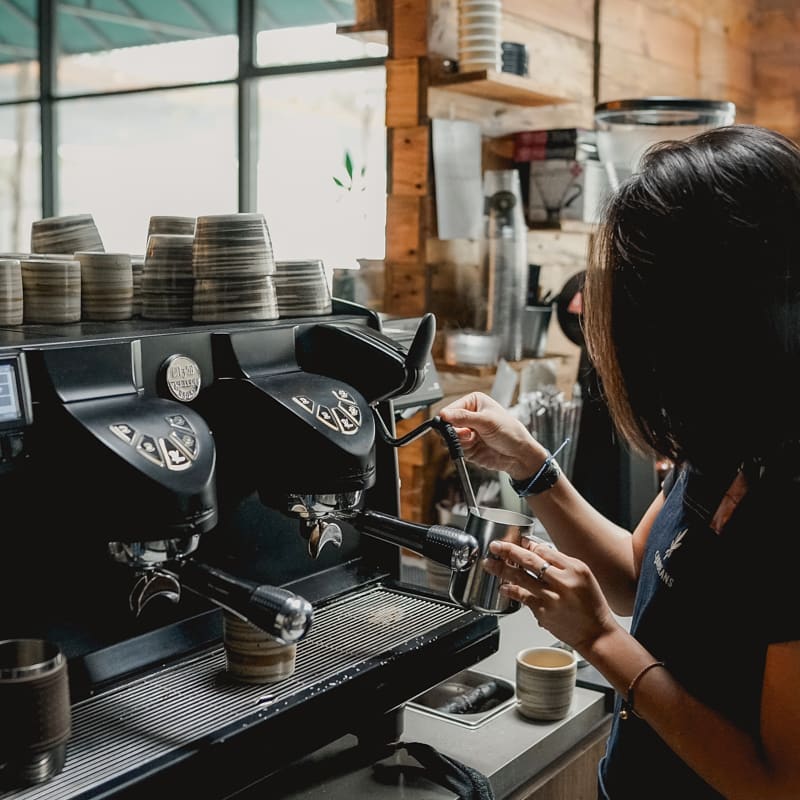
x=692, y=320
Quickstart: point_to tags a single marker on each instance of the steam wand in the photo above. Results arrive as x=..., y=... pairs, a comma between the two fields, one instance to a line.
x=448, y=433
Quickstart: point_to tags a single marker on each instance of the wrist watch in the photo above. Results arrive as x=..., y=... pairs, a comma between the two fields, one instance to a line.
x=540, y=481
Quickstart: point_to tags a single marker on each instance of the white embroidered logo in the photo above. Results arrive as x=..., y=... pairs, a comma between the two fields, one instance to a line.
x=659, y=562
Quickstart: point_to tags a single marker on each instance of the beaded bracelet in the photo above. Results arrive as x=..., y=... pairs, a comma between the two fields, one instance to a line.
x=627, y=702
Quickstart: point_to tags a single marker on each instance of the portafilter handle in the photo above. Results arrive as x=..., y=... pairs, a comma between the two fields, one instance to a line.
x=283, y=615
x=451, y=547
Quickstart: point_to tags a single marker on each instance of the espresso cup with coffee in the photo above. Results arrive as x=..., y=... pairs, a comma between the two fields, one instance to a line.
x=36, y=718
x=545, y=682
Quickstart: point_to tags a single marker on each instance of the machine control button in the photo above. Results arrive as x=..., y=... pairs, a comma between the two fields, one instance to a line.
x=187, y=442
x=304, y=402
x=179, y=421
x=174, y=456
x=344, y=396
x=352, y=411
x=148, y=447
x=124, y=431
x=324, y=415
x=345, y=423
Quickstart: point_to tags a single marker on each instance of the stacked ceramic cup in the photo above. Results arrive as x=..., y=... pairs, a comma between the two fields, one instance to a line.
x=233, y=268
x=10, y=292
x=167, y=281
x=170, y=224
x=66, y=235
x=479, y=35
x=51, y=290
x=106, y=286
x=302, y=288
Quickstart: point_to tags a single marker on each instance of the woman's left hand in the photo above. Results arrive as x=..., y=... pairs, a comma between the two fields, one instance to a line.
x=561, y=591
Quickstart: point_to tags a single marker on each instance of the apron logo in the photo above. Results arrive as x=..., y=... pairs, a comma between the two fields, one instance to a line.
x=659, y=562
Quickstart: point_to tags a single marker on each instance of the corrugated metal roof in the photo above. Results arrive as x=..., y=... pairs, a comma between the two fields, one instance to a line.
x=86, y=26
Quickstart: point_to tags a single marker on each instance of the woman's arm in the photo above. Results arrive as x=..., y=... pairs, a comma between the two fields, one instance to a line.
x=567, y=601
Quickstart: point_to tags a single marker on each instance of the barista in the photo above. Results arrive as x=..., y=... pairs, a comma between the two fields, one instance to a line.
x=692, y=300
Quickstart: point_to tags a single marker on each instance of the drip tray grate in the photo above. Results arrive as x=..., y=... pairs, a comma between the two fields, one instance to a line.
x=148, y=718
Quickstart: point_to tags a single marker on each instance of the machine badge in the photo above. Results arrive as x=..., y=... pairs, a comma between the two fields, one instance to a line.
x=182, y=377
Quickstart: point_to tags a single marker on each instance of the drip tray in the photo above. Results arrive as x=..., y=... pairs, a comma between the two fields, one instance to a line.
x=469, y=698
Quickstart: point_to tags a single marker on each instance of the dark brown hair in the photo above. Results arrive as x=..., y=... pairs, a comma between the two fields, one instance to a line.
x=693, y=297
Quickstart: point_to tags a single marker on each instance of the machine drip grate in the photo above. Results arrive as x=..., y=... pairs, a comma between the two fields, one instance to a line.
x=142, y=721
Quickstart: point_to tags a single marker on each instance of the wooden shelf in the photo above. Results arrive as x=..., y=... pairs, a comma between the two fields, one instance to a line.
x=502, y=87
x=365, y=32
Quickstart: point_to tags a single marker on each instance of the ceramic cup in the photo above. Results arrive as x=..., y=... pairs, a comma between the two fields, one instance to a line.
x=171, y=224
x=10, y=292
x=167, y=282
x=36, y=721
x=252, y=656
x=51, y=290
x=545, y=680
x=66, y=234
x=232, y=245
x=106, y=286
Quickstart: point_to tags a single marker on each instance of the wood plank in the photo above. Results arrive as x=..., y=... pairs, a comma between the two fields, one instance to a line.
x=625, y=74
x=502, y=87
x=777, y=31
x=778, y=75
x=630, y=25
x=405, y=289
x=406, y=93
x=404, y=239
x=408, y=34
x=409, y=150
x=499, y=119
x=725, y=63
x=575, y=17
x=779, y=113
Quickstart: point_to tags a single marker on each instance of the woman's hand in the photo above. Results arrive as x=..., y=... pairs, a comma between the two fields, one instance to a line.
x=492, y=438
x=562, y=592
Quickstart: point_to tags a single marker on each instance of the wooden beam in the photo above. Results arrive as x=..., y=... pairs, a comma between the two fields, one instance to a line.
x=409, y=150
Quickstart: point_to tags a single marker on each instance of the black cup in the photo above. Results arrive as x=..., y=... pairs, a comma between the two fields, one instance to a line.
x=36, y=718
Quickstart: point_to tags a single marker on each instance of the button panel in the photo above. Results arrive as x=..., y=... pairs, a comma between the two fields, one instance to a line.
x=344, y=417
x=174, y=452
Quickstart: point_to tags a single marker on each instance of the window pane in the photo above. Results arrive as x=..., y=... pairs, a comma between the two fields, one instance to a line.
x=289, y=32
x=310, y=127
x=20, y=170
x=107, y=45
x=126, y=158
x=19, y=42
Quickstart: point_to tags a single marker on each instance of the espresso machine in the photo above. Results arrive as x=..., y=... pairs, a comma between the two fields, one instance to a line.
x=159, y=476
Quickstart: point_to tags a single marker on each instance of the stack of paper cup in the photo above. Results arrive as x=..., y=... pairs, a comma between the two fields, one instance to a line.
x=479, y=35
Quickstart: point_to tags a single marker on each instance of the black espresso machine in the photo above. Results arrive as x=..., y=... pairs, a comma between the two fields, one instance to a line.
x=152, y=476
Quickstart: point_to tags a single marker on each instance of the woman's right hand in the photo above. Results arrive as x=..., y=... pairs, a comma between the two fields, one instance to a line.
x=492, y=437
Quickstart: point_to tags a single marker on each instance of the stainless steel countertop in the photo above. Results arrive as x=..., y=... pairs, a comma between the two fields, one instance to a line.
x=508, y=748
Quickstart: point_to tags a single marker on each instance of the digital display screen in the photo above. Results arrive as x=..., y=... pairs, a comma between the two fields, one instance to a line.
x=9, y=399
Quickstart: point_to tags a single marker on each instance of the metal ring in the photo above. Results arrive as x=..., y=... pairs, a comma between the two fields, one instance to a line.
x=540, y=573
